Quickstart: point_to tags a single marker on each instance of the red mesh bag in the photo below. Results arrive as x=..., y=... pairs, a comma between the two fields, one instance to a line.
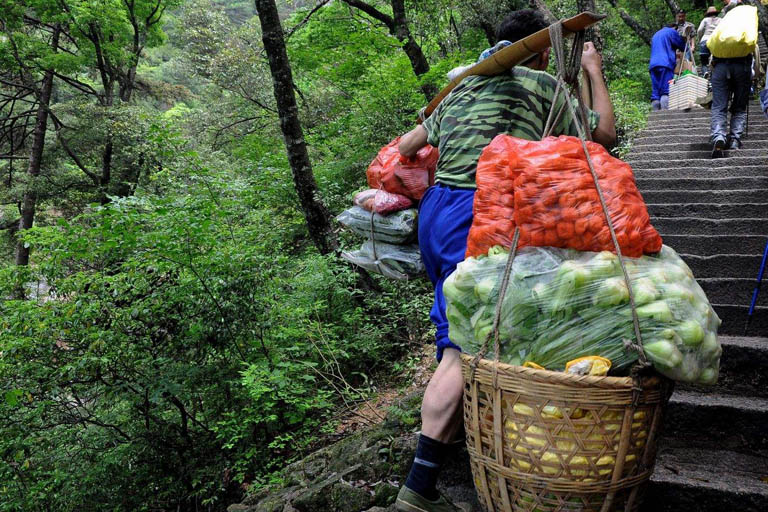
x=381, y=201
x=555, y=200
x=400, y=175
x=492, y=222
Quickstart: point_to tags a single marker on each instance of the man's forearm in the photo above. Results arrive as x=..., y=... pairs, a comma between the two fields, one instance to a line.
x=605, y=133
x=413, y=141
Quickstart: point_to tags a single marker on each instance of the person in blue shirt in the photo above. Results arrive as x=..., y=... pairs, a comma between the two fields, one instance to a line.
x=764, y=99
x=664, y=44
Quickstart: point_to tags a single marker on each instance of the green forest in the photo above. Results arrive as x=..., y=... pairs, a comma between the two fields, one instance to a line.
x=176, y=323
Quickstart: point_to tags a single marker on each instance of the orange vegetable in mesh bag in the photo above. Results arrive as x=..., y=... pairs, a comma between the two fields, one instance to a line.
x=492, y=222
x=397, y=174
x=556, y=201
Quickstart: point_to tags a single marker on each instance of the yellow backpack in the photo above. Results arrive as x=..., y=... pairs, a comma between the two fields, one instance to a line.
x=736, y=34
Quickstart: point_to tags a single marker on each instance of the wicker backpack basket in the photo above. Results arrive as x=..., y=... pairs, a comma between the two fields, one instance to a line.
x=553, y=442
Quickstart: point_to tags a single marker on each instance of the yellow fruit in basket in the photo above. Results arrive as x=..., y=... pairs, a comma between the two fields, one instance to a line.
x=565, y=445
x=577, y=414
x=630, y=457
x=637, y=425
x=639, y=415
x=522, y=409
x=552, y=412
x=550, y=458
x=640, y=443
x=606, y=460
x=523, y=465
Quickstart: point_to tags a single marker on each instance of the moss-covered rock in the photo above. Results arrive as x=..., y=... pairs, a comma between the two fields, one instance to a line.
x=362, y=472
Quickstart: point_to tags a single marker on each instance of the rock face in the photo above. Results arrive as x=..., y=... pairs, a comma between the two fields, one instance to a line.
x=713, y=453
x=360, y=473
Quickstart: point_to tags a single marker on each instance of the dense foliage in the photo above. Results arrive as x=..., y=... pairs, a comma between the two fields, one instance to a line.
x=177, y=338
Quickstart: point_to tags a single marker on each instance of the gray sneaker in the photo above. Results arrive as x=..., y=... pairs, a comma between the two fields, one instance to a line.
x=409, y=501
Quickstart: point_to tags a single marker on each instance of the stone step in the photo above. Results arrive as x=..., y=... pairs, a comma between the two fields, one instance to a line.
x=724, y=265
x=705, y=196
x=699, y=127
x=695, y=113
x=710, y=245
x=644, y=141
x=704, y=420
x=733, y=290
x=742, y=368
x=709, y=210
x=702, y=183
x=716, y=170
x=699, y=133
x=705, y=151
x=656, y=115
x=709, y=480
x=734, y=317
x=734, y=159
x=699, y=226
x=695, y=146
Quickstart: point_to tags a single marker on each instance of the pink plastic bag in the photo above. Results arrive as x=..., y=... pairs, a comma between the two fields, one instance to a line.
x=381, y=201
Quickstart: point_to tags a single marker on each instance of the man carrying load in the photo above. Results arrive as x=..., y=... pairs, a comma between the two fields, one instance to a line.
x=516, y=103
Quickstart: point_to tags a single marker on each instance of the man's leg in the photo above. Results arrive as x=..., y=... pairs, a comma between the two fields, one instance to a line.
x=655, y=88
x=664, y=102
x=440, y=410
x=720, y=95
x=741, y=76
x=445, y=216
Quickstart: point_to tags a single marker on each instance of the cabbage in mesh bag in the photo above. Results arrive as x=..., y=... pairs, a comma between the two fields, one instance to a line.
x=396, y=228
x=393, y=261
x=563, y=304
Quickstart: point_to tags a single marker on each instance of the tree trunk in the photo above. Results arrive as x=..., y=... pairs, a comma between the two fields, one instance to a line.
x=29, y=202
x=641, y=31
x=398, y=27
x=673, y=6
x=315, y=212
x=593, y=32
x=418, y=60
x=106, y=169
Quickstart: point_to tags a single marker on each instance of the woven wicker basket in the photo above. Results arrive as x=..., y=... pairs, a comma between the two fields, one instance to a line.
x=548, y=441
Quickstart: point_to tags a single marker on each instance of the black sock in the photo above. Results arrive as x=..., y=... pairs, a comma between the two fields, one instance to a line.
x=430, y=455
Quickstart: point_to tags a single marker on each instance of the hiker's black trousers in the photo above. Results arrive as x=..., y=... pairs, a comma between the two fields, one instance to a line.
x=730, y=76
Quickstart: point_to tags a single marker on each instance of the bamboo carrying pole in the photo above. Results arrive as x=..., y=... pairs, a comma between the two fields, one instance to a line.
x=520, y=51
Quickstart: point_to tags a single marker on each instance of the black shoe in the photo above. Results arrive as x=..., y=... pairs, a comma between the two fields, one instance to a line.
x=717, y=147
x=734, y=144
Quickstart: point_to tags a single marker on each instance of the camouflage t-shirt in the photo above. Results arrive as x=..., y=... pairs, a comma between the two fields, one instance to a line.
x=480, y=108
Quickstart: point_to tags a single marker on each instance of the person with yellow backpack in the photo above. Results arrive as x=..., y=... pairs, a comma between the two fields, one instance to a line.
x=731, y=44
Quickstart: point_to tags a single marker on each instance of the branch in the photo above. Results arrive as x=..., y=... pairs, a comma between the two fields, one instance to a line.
x=373, y=13
x=306, y=18
x=10, y=224
x=77, y=84
x=642, y=32
x=58, y=125
x=673, y=6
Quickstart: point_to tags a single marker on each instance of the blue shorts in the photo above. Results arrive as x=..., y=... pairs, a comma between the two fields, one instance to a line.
x=445, y=216
x=660, y=77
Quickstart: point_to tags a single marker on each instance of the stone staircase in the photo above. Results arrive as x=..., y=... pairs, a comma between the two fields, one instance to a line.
x=713, y=454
